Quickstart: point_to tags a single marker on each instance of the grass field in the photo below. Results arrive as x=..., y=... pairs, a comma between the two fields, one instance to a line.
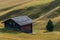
x=36, y=35
x=39, y=10
x=20, y=5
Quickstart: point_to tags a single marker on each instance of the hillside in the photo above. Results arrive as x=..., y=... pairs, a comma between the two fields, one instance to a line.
x=51, y=14
x=10, y=3
x=39, y=10
x=36, y=9
x=30, y=8
x=54, y=15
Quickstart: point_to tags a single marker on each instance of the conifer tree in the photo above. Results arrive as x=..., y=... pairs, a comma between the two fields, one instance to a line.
x=50, y=26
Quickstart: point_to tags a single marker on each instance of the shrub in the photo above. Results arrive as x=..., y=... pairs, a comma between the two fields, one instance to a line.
x=50, y=26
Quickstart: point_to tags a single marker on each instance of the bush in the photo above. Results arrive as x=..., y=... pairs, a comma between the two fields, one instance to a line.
x=50, y=26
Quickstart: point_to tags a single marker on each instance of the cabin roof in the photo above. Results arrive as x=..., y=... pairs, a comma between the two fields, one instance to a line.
x=22, y=20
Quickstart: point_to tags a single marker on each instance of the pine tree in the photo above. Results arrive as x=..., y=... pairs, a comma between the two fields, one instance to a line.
x=50, y=26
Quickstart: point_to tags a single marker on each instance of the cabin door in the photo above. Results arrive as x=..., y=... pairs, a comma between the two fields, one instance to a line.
x=27, y=29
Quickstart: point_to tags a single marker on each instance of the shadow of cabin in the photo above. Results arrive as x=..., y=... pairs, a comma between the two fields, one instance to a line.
x=21, y=23
x=4, y=30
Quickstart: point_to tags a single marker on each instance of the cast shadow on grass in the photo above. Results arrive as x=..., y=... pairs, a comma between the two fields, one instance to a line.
x=12, y=31
x=4, y=30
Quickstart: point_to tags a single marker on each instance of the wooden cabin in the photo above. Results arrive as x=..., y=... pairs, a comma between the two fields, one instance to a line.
x=21, y=23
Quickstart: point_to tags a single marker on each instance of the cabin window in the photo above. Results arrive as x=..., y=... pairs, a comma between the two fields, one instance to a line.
x=14, y=24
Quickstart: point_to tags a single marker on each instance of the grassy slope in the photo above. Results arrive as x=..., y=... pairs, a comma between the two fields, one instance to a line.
x=29, y=8
x=14, y=2
x=38, y=34
x=52, y=14
x=9, y=3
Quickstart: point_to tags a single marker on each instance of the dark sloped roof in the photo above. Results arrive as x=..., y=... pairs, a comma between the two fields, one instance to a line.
x=22, y=20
